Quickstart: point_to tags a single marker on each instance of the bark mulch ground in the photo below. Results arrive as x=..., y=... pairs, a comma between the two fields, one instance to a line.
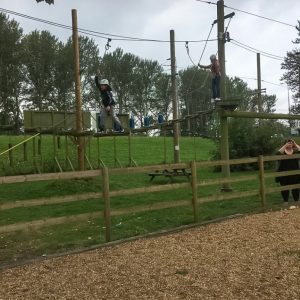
x=254, y=257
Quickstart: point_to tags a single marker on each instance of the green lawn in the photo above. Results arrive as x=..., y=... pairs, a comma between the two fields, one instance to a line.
x=53, y=239
x=144, y=151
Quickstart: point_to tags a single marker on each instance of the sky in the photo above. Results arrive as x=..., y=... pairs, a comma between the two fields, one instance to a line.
x=191, y=20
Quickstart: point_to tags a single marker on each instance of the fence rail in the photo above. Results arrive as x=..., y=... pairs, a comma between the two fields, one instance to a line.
x=105, y=195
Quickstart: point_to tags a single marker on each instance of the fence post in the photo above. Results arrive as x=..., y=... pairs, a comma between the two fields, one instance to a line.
x=105, y=192
x=25, y=151
x=10, y=155
x=39, y=146
x=262, y=190
x=194, y=190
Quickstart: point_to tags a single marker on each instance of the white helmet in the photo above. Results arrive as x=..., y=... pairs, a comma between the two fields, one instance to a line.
x=104, y=81
x=212, y=57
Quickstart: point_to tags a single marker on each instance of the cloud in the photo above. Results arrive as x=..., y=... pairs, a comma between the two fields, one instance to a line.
x=190, y=19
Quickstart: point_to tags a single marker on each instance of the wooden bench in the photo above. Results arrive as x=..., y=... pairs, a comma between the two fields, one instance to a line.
x=171, y=173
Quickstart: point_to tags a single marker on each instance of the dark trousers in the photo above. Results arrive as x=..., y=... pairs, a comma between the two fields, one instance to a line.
x=285, y=194
x=215, y=86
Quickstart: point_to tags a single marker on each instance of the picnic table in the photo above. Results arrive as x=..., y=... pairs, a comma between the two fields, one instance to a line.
x=171, y=173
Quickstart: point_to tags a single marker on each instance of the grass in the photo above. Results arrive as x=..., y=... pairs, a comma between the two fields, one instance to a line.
x=145, y=151
x=53, y=239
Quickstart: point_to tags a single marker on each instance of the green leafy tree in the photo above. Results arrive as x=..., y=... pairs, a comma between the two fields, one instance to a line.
x=89, y=62
x=118, y=67
x=63, y=78
x=40, y=57
x=248, y=137
x=194, y=96
x=143, y=88
x=12, y=73
x=291, y=77
x=163, y=95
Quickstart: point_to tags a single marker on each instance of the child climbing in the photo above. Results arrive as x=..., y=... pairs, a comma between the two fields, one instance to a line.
x=216, y=77
x=108, y=103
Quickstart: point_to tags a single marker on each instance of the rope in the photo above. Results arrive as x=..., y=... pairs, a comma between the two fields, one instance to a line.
x=205, y=80
x=17, y=145
x=188, y=52
x=211, y=28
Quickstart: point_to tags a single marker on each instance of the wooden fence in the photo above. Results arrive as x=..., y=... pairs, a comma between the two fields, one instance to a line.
x=105, y=195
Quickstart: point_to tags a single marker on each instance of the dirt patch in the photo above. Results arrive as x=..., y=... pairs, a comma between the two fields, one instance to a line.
x=255, y=257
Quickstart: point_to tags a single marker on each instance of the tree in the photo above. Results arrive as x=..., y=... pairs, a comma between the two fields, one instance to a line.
x=89, y=62
x=40, y=56
x=163, y=95
x=11, y=75
x=143, y=88
x=292, y=75
x=119, y=68
x=63, y=78
x=248, y=137
x=194, y=96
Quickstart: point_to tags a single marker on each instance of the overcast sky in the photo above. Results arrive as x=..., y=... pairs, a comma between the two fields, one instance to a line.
x=191, y=20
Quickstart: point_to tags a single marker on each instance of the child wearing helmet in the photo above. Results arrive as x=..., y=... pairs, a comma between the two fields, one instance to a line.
x=108, y=102
x=216, y=77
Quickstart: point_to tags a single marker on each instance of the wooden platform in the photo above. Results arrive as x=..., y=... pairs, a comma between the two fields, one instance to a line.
x=227, y=104
x=111, y=133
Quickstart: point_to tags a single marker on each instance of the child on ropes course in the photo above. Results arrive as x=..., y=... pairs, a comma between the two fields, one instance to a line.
x=216, y=77
x=108, y=103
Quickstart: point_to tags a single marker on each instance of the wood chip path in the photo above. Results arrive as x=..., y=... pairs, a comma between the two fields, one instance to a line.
x=254, y=257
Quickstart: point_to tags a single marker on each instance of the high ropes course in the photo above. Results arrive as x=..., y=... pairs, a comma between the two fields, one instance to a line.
x=226, y=108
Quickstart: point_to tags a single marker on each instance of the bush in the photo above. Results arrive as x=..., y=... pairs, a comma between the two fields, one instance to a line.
x=249, y=138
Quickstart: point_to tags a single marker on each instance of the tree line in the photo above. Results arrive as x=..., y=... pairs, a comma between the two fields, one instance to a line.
x=37, y=72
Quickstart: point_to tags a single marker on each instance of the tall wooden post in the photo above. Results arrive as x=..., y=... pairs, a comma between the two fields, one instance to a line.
x=106, y=198
x=299, y=76
x=223, y=119
x=189, y=119
x=174, y=98
x=262, y=189
x=79, y=127
x=10, y=155
x=259, y=100
x=194, y=190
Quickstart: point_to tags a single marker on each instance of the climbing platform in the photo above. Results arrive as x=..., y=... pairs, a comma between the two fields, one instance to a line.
x=227, y=104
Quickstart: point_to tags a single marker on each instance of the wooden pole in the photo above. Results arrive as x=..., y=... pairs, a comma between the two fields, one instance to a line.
x=194, y=190
x=33, y=149
x=188, y=113
x=40, y=145
x=115, y=152
x=165, y=146
x=174, y=98
x=224, y=144
x=299, y=75
x=259, y=100
x=66, y=152
x=132, y=162
x=262, y=190
x=25, y=151
x=221, y=48
x=40, y=153
x=105, y=192
x=98, y=151
x=10, y=155
x=79, y=124
x=248, y=114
